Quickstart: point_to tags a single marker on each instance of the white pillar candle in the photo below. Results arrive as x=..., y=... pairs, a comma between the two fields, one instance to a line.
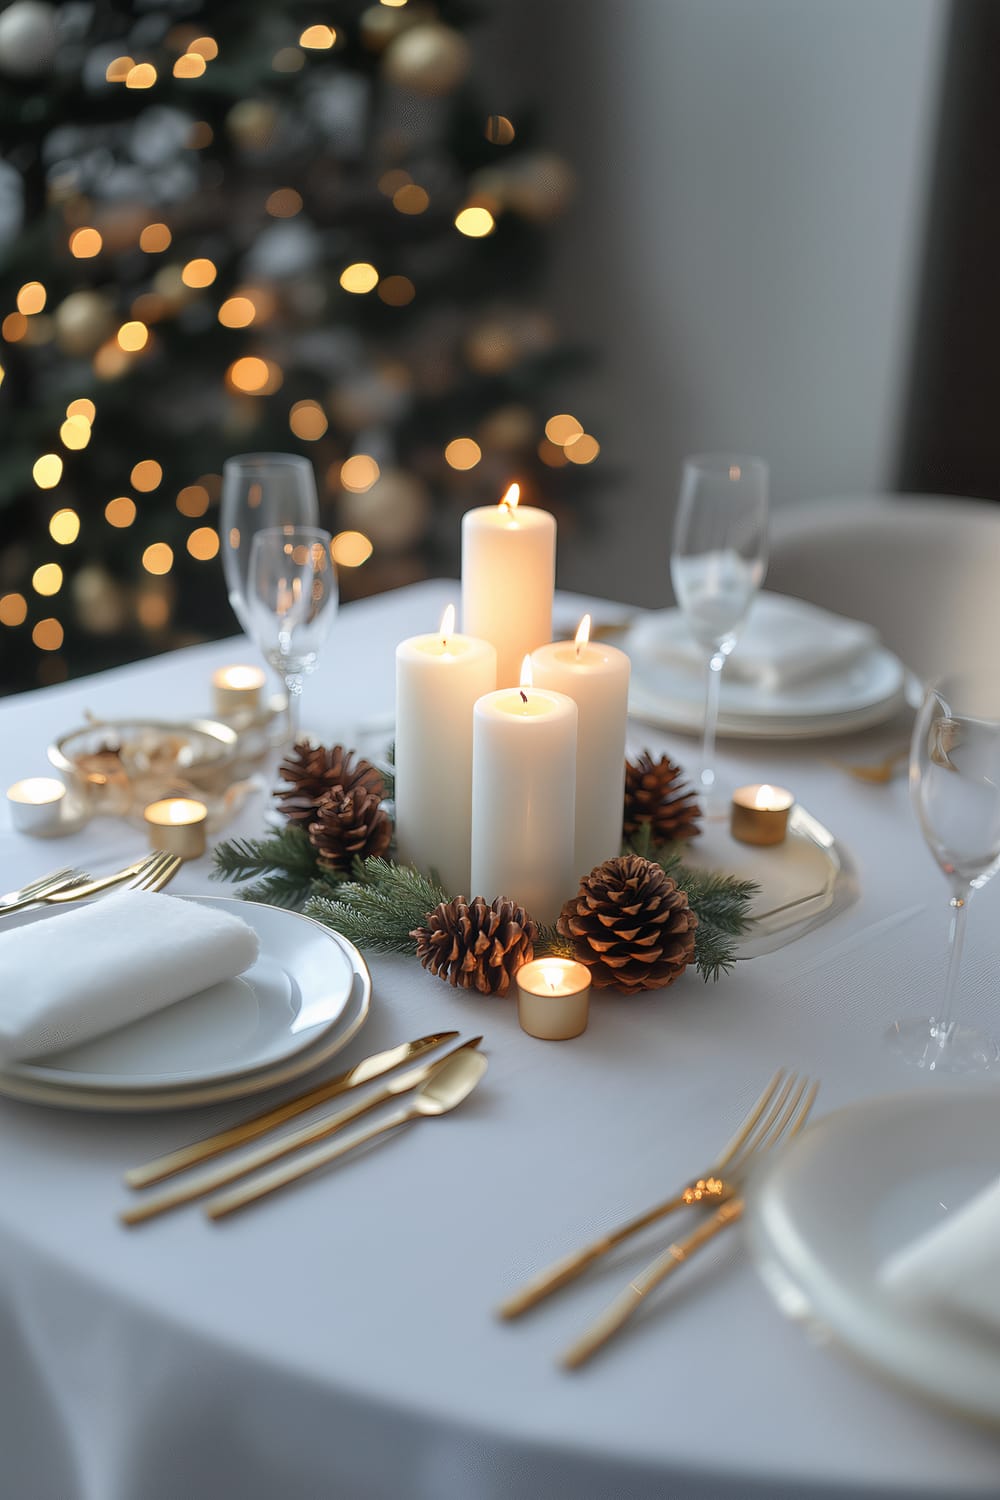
x=524, y=797
x=596, y=677
x=508, y=578
x=438, y=680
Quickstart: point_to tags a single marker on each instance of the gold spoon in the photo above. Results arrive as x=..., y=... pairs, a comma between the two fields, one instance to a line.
x=448, y=1086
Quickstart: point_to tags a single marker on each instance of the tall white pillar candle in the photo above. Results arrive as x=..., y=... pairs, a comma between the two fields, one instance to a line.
x=438, y=680
x=596, y=677
x=524, y=798
x=508, y=578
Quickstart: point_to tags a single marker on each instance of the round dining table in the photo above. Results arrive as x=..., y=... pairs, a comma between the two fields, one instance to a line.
x=341, y=1337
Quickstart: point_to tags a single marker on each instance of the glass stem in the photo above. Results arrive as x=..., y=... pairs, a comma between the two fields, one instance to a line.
x=713, y=681
x=293, y=687
x=956, y=938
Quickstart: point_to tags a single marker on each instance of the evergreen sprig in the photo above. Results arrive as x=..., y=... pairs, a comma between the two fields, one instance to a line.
x=282, y=868
x=380, y=907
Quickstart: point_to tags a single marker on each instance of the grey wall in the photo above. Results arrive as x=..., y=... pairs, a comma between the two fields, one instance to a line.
x=743, y=248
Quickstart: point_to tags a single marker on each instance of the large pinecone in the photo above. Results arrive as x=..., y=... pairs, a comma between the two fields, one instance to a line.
x=476, y=945
x=656, y=794
x=348, y=826
x=312, y=771
x=630, y=925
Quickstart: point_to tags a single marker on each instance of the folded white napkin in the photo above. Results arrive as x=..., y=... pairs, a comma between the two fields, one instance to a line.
x=783, y=643
x=73, y=976
x=955, y=1266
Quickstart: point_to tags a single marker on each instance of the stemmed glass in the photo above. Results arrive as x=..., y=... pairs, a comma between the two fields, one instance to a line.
x=955, y=788
x=260, y=490
x=292, y=599
x=717, y=564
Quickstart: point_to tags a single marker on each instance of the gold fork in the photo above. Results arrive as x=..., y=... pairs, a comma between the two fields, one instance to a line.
x=787, y=1124
x=147, y=874
x=56, y=880
x=708, y=1188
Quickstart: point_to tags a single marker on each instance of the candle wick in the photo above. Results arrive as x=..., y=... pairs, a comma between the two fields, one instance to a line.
x=524, y=696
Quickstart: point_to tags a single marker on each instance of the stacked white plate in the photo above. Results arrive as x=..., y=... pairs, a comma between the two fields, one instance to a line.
x=668, y=688
x=303, y=1000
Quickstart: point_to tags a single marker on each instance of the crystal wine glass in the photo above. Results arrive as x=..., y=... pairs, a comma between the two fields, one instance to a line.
x=260, y=490
x=955, y=788
x=717, y=564
x=292, y=599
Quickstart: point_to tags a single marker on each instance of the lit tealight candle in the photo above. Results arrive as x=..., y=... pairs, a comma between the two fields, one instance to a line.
x=237, y=689
x=553, y=998
x=36, y=805
x=177, y=826
x=760, y=814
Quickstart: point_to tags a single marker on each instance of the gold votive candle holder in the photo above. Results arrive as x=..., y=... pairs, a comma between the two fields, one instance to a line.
x=553, y=998
x=759, y=814
x=36, y=805
x=177, y=826
x=237, y=690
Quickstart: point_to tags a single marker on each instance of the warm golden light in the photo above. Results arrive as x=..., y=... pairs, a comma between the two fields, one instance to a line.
x=75, y=432
x=13, y=609
x=527, y=678
x=86, y=243
x=359, y=473
x=155, y=238
x=237, y=312
x=142, y=76
x=199, y=273
x=153, y=610
x=132, y=337
x=499, y=130
x=397, y=291
x=512, y=497
x=146, y=475
x=392, y=180
x=410, y=199
x=31, y=298
x=318, y=38
x=552, y=455
x=463, y=453
x=359, y=277
x=14, y=327
x=205, y=46
x=583, y=449
x=475, y=222
x=47, y=579
x=393, y=4
x=47, y=471
x=284, y=203
x=82, y=407
x=191, y=65
x=307, y=419
x=203, y=543
x=254, y=376
x=176, y=812
x=563, y=429
x=158, y=558
x=64, y=527
x=110, y=361
x=582, y=634
x=37, y=791
x=118, y=70
x=350, y=549
x=192, y=500
x=120, y=512
x=48, y=635
x=447, y=624
x=200, y=135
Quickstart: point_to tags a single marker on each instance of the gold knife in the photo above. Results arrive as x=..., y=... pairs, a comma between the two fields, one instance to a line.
x=213, y=1177
x=238, y=1135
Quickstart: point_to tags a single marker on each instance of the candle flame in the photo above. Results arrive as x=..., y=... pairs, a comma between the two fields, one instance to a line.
x=551, y=975
x=447, y=624
x=582, y=634
x=512, y=496
x=527, y=677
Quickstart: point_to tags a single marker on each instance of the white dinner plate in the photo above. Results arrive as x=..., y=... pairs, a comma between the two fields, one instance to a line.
x=304, y=998
x=683, y=717
x=852, y=1190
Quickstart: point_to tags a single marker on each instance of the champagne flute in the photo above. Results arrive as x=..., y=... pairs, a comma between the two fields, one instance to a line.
x=717, y=564
x=260, y=490
x=291, y=603
x=955, y=789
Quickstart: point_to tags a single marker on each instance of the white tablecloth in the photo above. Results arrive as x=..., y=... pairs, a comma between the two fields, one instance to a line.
x=339, y=1340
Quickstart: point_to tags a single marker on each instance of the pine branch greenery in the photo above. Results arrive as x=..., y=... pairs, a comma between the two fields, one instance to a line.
x=381, y=907
x=282, y=868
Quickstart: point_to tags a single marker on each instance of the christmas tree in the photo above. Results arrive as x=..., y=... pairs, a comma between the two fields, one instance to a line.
x=240, y=226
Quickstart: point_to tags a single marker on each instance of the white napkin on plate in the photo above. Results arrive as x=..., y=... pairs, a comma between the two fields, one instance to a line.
x=74, y=976
x=956, y=1265
x=784, y=642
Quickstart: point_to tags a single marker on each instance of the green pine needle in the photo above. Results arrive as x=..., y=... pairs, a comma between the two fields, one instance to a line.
x=287, y=849
x=380, y=907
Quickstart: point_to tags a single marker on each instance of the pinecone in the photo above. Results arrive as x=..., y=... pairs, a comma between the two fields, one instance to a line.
x=349, y=825
x=655, y=794
x=630, y=925
x=474, y=945
x=312, y=771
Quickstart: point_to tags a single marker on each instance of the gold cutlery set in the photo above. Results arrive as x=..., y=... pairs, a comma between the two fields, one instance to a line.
x=150, y=873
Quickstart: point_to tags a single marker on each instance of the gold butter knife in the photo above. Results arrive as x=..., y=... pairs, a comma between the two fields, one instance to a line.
x=213, y=1177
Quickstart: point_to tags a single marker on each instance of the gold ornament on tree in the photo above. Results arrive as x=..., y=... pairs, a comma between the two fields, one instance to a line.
x=656, y=794
x=476, y=945
x=630, y=925
x=311, y=772
x=349, y=825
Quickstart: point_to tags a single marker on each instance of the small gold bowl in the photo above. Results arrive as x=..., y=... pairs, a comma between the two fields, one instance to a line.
x=118, y=764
